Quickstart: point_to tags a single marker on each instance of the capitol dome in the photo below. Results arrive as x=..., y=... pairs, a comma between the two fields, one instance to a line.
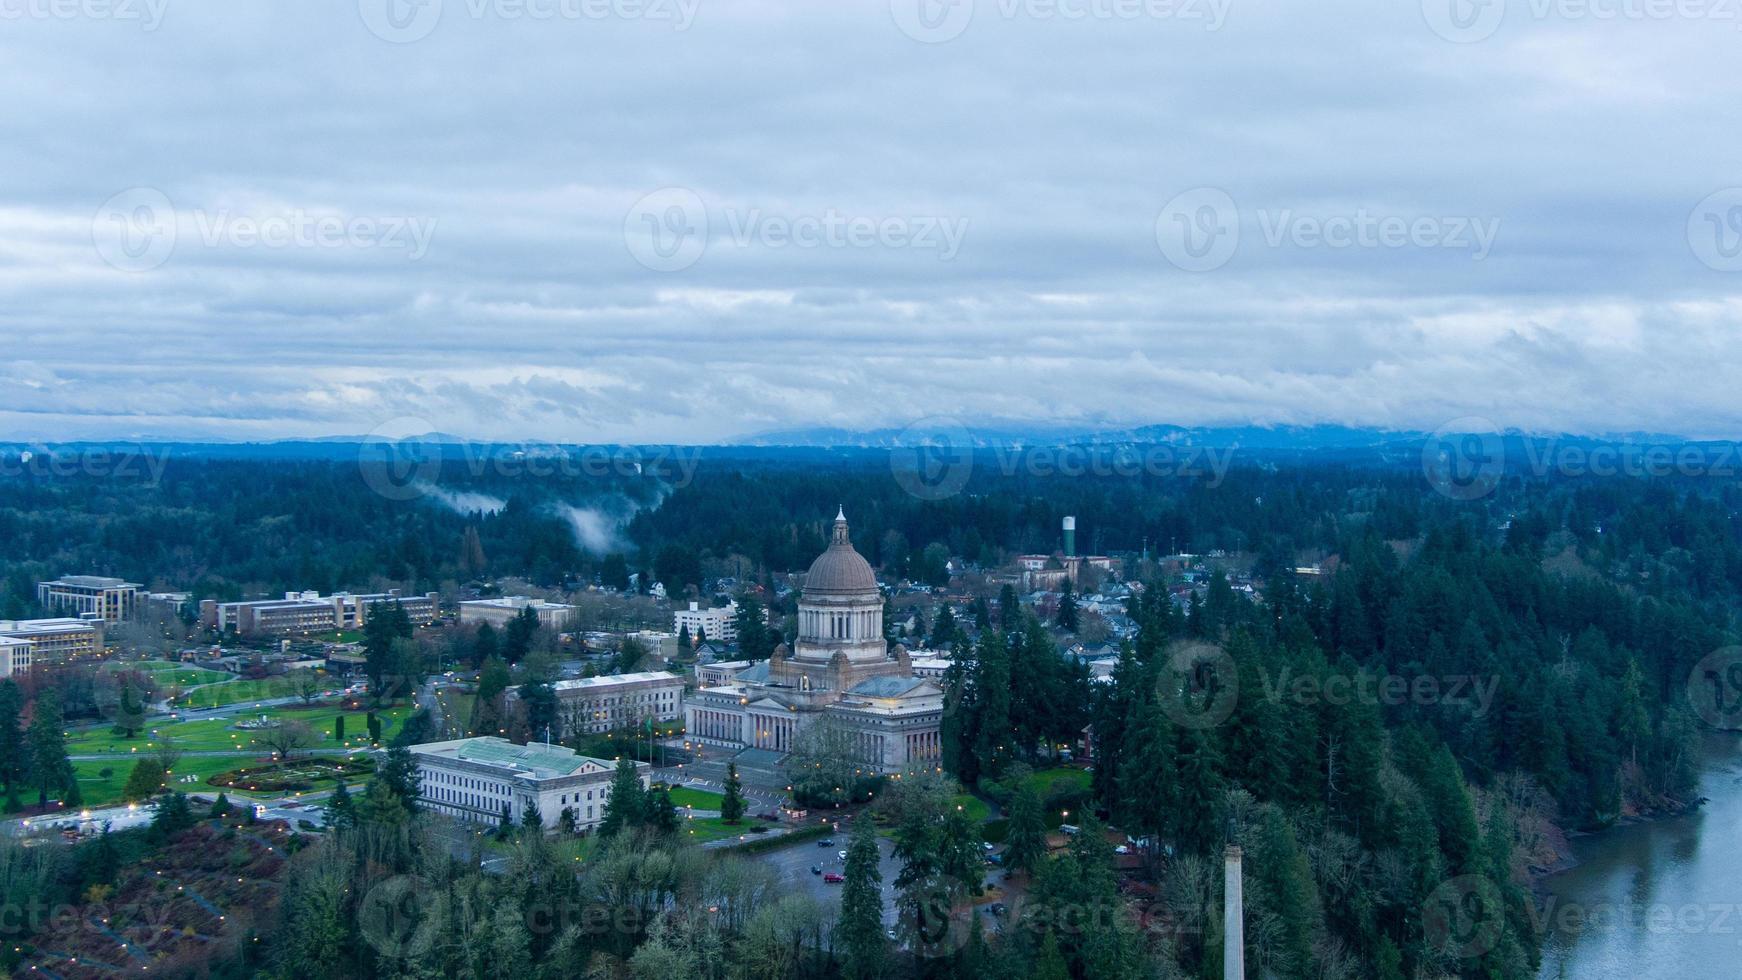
x=840, y=571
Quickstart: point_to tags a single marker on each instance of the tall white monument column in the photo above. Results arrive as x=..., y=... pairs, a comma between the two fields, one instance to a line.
x=1233, y=928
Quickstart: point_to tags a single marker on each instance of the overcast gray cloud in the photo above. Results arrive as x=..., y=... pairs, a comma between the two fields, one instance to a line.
x=599, y=220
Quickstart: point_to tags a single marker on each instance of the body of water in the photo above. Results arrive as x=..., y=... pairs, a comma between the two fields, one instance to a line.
x=1655, y=901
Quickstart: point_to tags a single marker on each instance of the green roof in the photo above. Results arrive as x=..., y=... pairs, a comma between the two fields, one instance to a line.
x=543, y=761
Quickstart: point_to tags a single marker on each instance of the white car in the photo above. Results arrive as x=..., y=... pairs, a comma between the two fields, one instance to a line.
x=841, y=854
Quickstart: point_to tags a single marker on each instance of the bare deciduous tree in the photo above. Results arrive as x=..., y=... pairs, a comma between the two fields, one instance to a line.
x=286, y=737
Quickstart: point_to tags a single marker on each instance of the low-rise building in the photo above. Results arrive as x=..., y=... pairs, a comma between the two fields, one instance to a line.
x=476, y=779
x=930, y=666
x=718, y=623
x=57, y=641
x=602, y=704
x=311, y=612
x=96, y=597
x=14, y=657
x=497, y=612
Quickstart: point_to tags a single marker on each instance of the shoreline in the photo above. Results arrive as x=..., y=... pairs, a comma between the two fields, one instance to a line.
x=1721, y=752
x=1567, y=861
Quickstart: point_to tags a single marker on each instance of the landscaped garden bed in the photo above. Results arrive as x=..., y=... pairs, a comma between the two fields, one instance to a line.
x=296, y=776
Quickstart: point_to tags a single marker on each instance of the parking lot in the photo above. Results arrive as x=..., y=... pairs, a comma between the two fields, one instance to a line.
x=794, y=865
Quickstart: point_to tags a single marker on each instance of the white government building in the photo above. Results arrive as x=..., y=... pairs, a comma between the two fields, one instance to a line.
x=14, y=656
x=472, y=778
x=603, y=704
x=840, y=668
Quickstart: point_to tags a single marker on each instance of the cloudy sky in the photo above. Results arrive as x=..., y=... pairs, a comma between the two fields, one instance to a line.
x=689, y=220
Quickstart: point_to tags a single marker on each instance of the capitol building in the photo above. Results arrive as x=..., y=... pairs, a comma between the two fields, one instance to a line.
x=840, y=668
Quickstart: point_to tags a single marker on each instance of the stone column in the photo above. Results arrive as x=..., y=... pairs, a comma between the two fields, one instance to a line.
x=1233, y=920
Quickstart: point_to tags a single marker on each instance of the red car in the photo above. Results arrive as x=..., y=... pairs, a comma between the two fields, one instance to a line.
x=833, y=878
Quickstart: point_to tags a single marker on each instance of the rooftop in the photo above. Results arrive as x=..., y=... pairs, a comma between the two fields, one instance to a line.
x=94, y=582
x=536, y=760
x=515, y=602
x=840, y=570
x=24, y=627
x=886, y=687
x=612, y=680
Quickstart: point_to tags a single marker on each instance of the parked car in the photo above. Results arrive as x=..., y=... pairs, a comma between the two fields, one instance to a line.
x=1068, y=829
x=826, y=842
x=997, y=908
x=841, y=854
x=816, y=869
x=834, y=878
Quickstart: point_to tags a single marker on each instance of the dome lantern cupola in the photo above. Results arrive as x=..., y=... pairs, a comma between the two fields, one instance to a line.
x=841, y=609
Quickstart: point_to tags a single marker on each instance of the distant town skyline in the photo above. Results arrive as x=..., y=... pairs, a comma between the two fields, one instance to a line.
x=349, y=217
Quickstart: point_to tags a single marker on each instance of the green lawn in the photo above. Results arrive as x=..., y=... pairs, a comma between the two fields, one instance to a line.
x=99, y=790
x=701, y=799
x=1050, y=781
x=973, y=806
x=220, y=735
x=237, y=692
x=166, y=674
x=703, y=829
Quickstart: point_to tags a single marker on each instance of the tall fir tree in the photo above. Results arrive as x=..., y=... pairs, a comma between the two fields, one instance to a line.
x=860, y=926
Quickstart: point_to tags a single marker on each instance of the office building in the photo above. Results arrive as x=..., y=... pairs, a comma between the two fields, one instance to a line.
x=720, y=623
x=476, y=779
x=57, y=641
x=311, y=612
x=497, y=612
x=94, y=597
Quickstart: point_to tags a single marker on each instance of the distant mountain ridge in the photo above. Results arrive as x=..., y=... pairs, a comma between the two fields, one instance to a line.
x=1278, y=439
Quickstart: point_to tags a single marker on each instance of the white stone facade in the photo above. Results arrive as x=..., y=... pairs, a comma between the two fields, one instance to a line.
x=472, y=779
